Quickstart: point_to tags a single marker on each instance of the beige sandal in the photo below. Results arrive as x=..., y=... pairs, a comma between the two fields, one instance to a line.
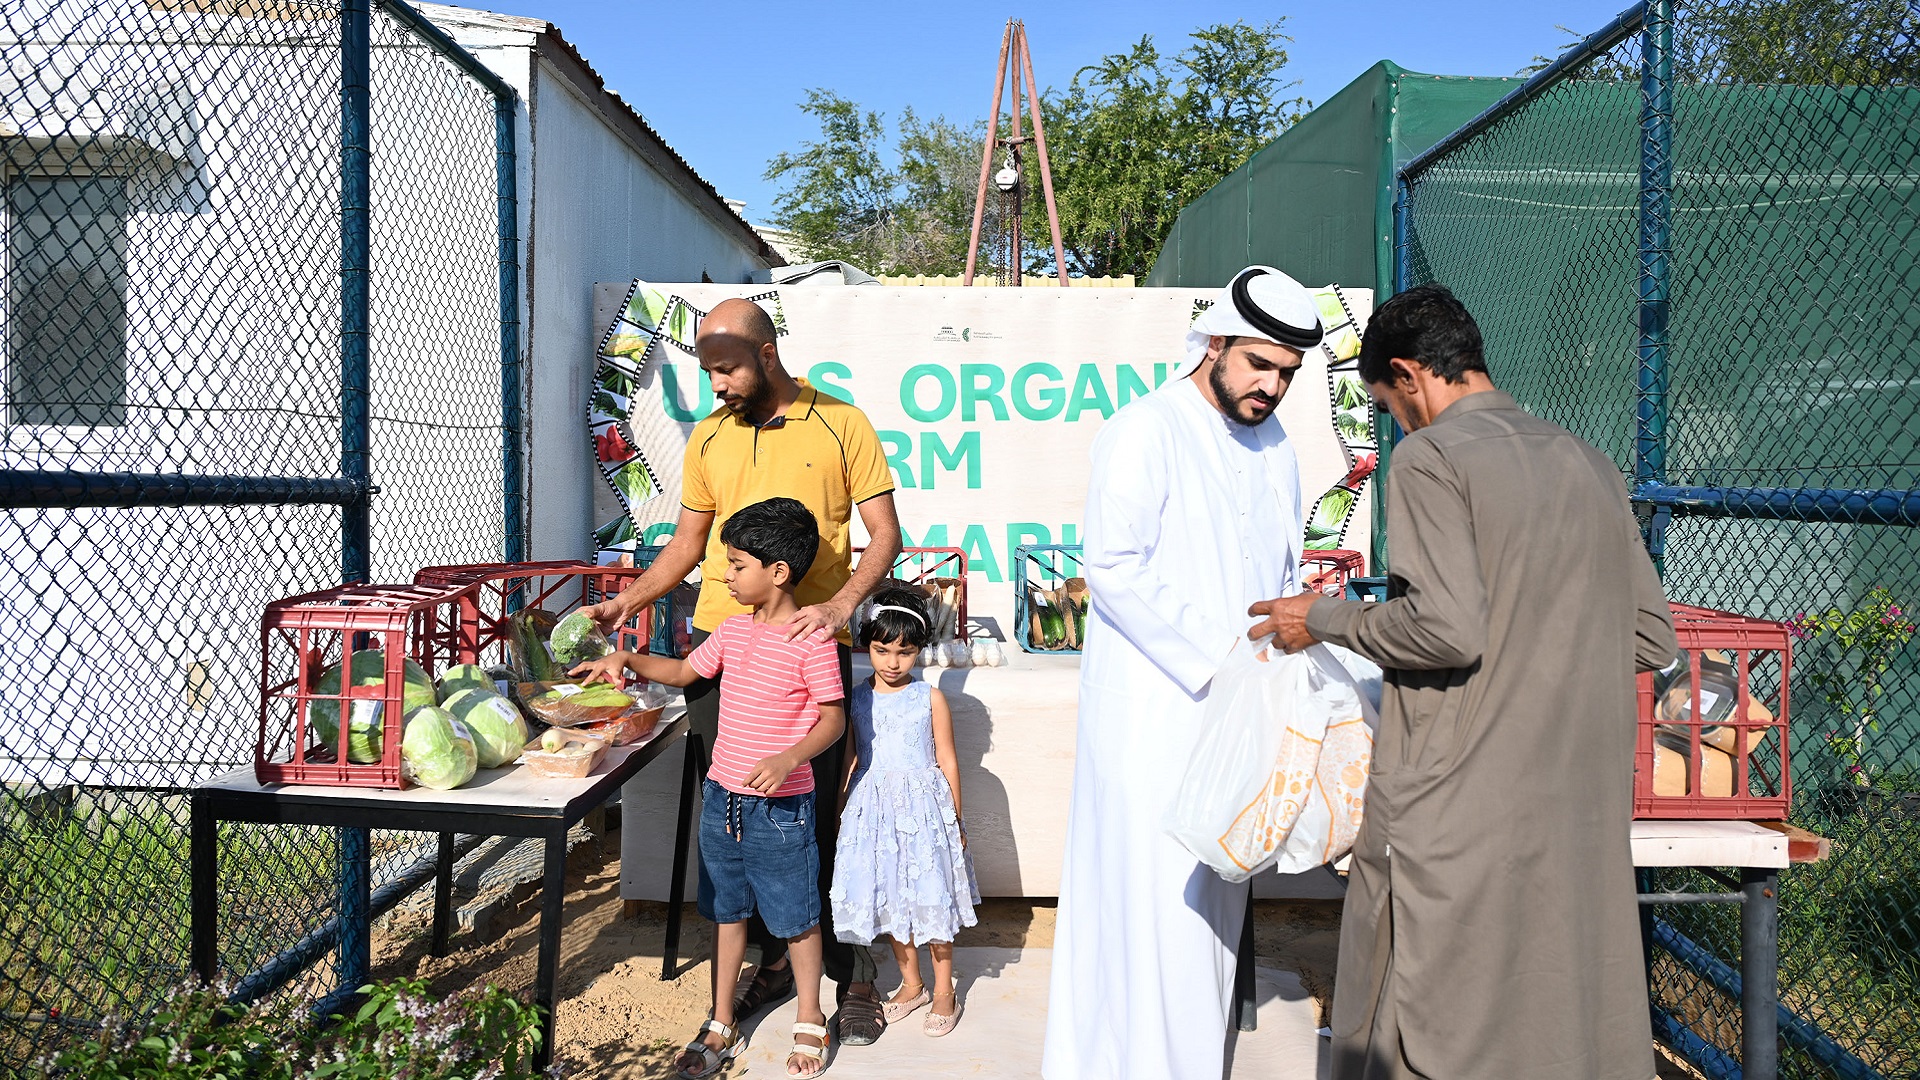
x=936, y=1024
x=710, y=1058
x=897, y=1008
x=817, y=1053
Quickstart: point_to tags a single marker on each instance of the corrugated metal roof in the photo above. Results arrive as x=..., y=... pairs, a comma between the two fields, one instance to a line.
x=546, y=38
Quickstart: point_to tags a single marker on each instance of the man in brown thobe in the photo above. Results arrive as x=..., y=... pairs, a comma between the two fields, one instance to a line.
x=1491, y=928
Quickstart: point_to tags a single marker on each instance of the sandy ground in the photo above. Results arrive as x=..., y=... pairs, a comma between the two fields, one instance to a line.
x=617, y=1018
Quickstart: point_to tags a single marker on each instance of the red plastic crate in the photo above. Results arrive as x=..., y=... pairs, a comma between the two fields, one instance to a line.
x=1681, y=753
x=918, y=565
x=299, y=637
x=476, y=627
x=1327, y=572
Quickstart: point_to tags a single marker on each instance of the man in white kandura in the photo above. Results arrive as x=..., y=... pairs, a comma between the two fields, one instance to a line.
x=1193, y=514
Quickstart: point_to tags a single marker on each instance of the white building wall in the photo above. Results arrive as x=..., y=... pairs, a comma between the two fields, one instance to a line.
x=232, y=256
x=600, y=213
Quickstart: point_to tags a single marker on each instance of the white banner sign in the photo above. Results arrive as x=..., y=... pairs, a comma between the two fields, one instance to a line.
x=986, y=401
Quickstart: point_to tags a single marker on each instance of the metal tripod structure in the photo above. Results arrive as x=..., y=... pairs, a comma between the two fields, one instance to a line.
x=1014, y=53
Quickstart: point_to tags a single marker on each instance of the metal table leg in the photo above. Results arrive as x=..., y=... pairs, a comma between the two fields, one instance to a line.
x=356, y=907
x=443, y=895
x=1760, y=975
x=203, y=907
x=553, y=896
x=682, y=840
x=1244, y=1008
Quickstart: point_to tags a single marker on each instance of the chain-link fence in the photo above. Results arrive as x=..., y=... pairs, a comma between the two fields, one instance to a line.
x=258, y=259
x=1694, y=242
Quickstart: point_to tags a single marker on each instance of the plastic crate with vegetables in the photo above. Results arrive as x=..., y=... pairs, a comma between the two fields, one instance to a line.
x=339, y=688
x=1050, y=598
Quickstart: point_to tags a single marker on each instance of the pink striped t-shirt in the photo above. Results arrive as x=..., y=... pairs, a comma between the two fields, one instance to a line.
x=769, y=700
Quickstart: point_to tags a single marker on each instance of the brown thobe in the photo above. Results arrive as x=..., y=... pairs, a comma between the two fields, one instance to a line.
x=1491, y=927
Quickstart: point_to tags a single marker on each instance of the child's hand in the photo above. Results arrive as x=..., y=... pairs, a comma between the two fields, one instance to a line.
x=767, y=776
x=611, y=668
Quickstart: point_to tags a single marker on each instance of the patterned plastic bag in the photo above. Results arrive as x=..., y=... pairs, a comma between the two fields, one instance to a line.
x=1279, y=773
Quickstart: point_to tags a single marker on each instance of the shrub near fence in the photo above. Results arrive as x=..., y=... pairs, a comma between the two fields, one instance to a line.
x=1693, y=242
x=255, y=325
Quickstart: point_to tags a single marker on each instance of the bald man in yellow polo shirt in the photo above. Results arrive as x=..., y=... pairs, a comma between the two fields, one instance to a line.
x=775, y=435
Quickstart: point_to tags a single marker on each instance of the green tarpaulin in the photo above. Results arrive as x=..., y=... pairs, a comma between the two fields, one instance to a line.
x=1318, y=201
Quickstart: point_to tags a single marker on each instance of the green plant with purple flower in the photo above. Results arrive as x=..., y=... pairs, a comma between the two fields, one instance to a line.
x=1867, y=639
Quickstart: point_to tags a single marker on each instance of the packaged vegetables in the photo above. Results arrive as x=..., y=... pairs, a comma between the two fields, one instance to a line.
x=436, y=750
x=369, y=668
x=1057, y=618
x=1719, y=737
x=465, y=677
x=527, y=635
x=575, y=640
x=495, y=724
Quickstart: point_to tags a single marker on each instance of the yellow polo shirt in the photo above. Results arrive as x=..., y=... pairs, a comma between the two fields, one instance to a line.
x=823, y=452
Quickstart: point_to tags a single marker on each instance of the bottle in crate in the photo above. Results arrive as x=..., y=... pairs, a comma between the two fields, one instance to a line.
x=338, y=676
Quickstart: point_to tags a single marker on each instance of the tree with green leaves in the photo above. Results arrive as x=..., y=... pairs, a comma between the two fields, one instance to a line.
x=1138, y=135
x=899, y=209
x=1132, y=140
x=1790, y=42
x=841, y=199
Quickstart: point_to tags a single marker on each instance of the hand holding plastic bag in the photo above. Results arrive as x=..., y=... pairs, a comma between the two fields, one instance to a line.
x=1279, y=773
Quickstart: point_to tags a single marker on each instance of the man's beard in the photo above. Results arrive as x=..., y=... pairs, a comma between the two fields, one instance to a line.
x=1222, y=393
x=753, y=402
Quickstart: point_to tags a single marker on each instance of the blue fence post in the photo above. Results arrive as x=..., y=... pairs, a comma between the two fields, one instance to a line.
x=356, y=107
x=1656, y=249
x=1386, y=431
x=511, y=459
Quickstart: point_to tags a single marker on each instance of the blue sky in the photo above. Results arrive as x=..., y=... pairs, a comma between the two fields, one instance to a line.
x=721, y=82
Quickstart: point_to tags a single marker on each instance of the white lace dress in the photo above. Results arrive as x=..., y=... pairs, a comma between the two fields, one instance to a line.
x=899, y=868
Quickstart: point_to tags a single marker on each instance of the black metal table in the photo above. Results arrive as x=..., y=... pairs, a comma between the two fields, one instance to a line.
x=1758, y=851
x=509, y=801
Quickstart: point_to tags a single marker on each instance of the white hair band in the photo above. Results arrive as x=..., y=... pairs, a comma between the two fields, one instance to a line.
x=919, y=618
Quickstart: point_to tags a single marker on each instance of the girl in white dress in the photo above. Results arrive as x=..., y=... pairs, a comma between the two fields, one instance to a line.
x=901, y=867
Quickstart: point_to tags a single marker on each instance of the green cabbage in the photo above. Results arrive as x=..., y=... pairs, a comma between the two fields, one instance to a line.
x=363, y=728
x=499, y=731
x=464, y=677
x=436, y=751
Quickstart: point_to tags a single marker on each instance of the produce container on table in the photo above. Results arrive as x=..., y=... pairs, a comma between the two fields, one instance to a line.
x=942, y=572
x=308, y=645
x=1328, y=571
x=477, y=627
x=1050, y=599
x=1712, y=734
x=672, y=625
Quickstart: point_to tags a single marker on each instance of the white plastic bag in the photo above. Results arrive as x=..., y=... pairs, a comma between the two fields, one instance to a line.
x=1279, y=772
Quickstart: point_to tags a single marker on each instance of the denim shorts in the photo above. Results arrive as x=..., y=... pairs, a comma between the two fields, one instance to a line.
x=769, y=862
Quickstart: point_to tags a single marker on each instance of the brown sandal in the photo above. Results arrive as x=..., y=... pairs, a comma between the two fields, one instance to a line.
x=767, y=987
x=860, y=1019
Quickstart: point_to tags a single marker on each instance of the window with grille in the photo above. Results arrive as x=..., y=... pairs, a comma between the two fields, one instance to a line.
x=66, y=300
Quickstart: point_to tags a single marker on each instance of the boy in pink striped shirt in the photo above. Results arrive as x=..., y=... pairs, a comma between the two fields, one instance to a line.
x=781, y=703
